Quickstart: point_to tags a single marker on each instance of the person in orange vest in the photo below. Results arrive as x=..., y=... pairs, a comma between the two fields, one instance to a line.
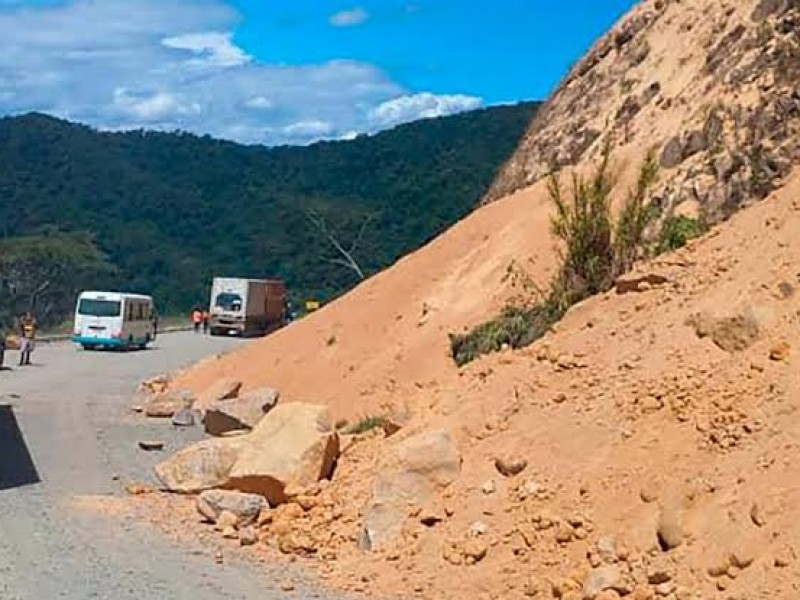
x=197, y=319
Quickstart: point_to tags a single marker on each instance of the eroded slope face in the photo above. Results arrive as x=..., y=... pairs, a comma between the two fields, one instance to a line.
x=711, y=83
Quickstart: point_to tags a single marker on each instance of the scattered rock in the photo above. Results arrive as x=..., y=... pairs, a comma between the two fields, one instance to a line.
x=241, y=413
x=475, y=550
x=732, y=333
x=201, y=466
x=757, y=516
x=510, y=466
x=247, y=507
x=151, y=445
x=139, y=489
x=248, y=536
x=226, y=520
x=607, y=577
x=183, y=418
x=416, y=469
x=659, y=571
x=670, y=528
x=672, y=154
x=630, y=284
x=293, y=444
x=155, y=385
x=564, y=533
x=607, y=549
x=742, y=557
x=223, y=389
x=489, y=487
x=780, y=352
x=166, y=404
x=784, y=557
x=648, y=493
x=230, y=533
x=432, y=514
x=477, y=529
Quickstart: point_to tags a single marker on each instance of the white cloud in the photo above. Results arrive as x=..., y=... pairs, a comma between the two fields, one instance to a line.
x=174, y=64
x=349, y=18
x=420, y=106
x=154, y=107
x=216, y=47
x=260, y=103
x=311, y=129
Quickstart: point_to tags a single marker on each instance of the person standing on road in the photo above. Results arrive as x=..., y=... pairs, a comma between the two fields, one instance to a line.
x=206, y=322
x=27, y=336
x=197, y=319
x=2, y=346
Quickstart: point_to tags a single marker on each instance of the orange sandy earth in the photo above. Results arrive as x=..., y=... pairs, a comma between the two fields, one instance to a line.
x=623, y=413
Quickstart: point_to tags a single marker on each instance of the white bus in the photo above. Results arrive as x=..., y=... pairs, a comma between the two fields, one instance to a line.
x=114, y=320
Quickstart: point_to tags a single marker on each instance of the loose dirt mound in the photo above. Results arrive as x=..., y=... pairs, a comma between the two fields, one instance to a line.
x=656, y=423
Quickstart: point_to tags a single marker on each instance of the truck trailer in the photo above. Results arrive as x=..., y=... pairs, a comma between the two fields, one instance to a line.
x=246, y=307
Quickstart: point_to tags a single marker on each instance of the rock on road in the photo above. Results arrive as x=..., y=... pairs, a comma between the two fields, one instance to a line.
x=73, y=409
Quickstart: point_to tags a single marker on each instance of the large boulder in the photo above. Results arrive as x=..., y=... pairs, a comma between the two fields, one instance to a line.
x=734, y=331
x=243, y=412
x=411, y=476
x=212, y=503
x=166, y=404
x=201, y=466
x=293, y=444
x=222, y=389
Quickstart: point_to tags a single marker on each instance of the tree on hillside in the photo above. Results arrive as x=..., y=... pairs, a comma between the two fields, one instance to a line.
x=44, y=272
x=345, y=256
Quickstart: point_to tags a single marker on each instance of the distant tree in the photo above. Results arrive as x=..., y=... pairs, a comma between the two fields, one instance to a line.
x=44, y=272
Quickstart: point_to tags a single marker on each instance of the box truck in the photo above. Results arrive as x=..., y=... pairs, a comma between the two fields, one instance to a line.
x=246, y=306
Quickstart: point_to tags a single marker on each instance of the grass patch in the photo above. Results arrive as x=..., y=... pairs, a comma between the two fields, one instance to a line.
x=366, y=424
x=596, y=249
x=677, y=231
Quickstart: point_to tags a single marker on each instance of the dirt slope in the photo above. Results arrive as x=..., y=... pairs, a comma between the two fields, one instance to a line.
x=674, y=404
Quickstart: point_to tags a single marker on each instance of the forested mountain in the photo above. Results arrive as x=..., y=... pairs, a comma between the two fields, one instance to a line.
x=170, y=210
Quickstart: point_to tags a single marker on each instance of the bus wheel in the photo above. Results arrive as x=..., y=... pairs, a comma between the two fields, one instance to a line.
x=88, y=347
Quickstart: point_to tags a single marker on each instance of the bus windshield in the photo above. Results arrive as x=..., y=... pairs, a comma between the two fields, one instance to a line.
x=227, y=301
x=99, y=308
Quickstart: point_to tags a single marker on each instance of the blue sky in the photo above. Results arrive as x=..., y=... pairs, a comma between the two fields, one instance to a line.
x=285, y=71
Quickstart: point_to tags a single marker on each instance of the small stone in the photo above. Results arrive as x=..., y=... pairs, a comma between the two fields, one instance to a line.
x=183, y=418
x=151, y=445
x=475, y=550
x=642, y=592
x=218, y=557
x=477, y=529
x=559, y=398
x=137, y=408
x=757, y=516
x=719, y=568
x=225, y=520
x=510, y=466
x=489, y=487
x=564, y=533
x=608, y=577
x=670, y=529
x=248, y=536
x=742, y=557
x=607, y=549
x=723, y=583
x=780, y=352
x=784, y=557
x=665, y=589
x=659, y=571
x=138, y=489
x=287, y=587
x=230, y=533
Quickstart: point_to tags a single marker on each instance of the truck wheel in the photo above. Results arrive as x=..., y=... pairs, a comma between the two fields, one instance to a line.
x=215, y=331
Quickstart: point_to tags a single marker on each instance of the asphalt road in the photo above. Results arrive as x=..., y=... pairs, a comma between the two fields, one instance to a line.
x=66, y=432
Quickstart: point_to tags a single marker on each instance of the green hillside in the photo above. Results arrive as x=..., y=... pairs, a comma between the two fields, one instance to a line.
x=170, y=210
